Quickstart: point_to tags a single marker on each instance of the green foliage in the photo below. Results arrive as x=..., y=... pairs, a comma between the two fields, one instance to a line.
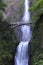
x=8, y=43
x=37, y=6
x=2, y=4
x=37, y=9
x=35, y=47
x=36, y=52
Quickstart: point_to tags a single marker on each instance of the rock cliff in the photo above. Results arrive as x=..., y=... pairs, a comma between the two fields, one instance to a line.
x=14, y=10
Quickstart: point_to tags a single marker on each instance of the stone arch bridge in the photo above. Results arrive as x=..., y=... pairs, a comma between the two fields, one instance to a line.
x=17, y=24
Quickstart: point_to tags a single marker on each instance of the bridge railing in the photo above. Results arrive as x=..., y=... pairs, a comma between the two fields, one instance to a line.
x=17, y=24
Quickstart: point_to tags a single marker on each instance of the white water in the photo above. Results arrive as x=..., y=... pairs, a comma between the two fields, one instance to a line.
x=22, y=56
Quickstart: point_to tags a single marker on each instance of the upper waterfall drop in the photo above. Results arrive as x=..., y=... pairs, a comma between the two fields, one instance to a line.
x=22, y=56
x=26, y=16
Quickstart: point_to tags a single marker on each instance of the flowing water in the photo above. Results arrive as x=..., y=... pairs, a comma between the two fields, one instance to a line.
x=22, y=55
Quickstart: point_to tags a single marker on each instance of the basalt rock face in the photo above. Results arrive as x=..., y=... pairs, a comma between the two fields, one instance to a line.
x=14, y=10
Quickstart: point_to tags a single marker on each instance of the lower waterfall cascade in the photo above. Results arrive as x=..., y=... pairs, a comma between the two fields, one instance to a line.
x=22, y=55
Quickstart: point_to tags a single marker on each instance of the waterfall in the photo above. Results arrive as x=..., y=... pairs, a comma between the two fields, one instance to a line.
x=22, y=56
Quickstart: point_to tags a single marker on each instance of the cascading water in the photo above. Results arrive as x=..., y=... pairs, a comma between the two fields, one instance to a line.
x=22, y=56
